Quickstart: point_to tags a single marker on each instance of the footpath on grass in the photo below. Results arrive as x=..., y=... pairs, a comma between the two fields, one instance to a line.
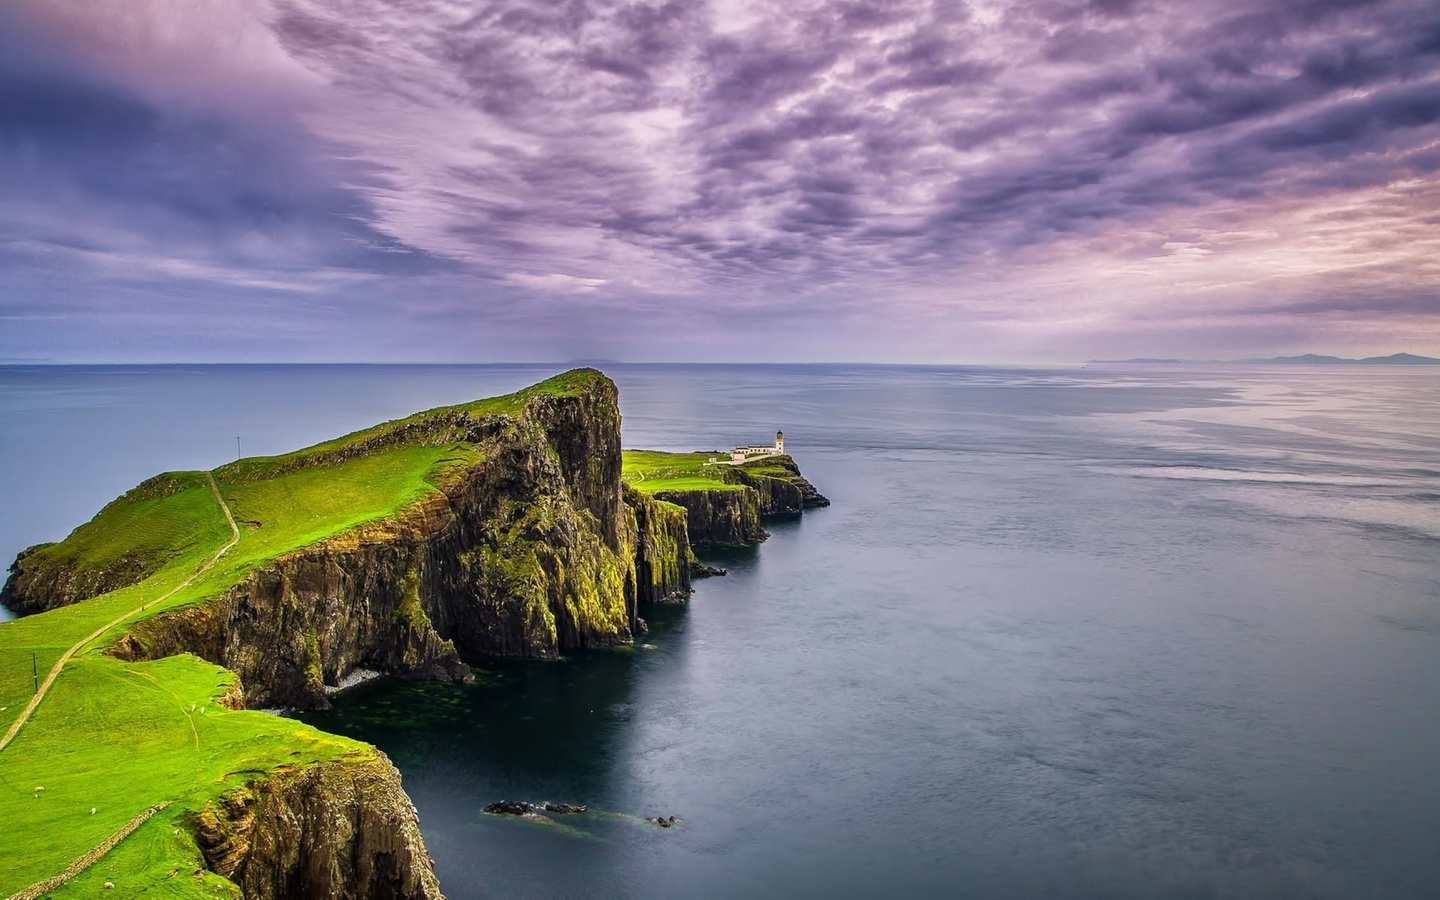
x=79, y=645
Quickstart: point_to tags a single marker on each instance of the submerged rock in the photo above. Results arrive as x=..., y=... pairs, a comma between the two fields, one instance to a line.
x=565, y=808
x=509, y=808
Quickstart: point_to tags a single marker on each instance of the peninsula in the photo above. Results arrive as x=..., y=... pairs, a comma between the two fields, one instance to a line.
x=134, y=752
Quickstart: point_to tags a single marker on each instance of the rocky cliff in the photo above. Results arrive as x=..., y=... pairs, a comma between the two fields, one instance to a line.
x=782, y=489
x=532, y=550
x=664, y=561
x=337, y=829
x=35, y=587
x=720, y=517
x=730, y=516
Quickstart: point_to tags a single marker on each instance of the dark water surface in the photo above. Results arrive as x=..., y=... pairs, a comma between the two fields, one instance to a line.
x=1083, y=633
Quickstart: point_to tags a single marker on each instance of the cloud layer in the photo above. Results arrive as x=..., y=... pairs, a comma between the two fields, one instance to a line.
x=887, y=180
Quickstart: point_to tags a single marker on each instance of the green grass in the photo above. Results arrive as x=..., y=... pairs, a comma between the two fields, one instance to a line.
x=260, y=467
x=308, y=505
x=170, y=518
x=121, y=737
x=652, y=471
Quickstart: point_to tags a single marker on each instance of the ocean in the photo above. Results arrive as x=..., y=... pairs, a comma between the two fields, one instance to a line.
x=1117, y=631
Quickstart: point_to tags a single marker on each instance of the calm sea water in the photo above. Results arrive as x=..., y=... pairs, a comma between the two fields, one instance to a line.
x=1126, y=632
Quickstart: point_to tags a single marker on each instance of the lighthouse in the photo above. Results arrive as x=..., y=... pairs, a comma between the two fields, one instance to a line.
x=779, y=442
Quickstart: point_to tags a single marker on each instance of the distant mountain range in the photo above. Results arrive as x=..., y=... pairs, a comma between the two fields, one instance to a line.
x=1308, y=359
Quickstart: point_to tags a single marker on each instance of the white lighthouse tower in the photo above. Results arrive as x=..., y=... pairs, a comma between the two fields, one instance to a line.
x=779, y=442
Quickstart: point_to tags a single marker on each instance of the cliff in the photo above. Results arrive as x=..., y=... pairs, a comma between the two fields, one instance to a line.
x=530, y=548
x=719, y=517
x=335, y=829
x=664, y=561
x=783, y=490
x=723, y=503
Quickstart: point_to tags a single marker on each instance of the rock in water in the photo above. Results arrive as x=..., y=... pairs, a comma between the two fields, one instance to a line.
x=565, y=808
x=509, y=808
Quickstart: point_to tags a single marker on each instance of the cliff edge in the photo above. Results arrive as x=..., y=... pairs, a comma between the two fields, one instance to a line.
x=724, y=502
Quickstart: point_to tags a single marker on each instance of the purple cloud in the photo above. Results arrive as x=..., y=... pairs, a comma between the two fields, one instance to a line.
x=908, y=179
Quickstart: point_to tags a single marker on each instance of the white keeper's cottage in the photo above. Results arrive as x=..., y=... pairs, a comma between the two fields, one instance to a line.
x=741, y=454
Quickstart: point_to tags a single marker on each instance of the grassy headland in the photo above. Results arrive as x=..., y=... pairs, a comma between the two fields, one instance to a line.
x=113, y=738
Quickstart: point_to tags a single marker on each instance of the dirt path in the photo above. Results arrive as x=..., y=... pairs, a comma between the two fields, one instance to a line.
x=65, y=657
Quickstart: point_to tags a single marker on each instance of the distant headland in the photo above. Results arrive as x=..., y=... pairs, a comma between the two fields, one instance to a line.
x=1306, y=359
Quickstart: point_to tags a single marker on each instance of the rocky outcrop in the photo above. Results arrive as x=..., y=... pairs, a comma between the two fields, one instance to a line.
x=720, y=517
x=333, y=829
x=35, y=586
x=783, y=490
x=664, y=562
x=305, y=622
x=731, y=517
x=533, y=549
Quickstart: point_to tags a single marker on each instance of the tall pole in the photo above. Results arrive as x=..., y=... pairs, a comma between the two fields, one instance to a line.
x=237, y=448
x=35, y=670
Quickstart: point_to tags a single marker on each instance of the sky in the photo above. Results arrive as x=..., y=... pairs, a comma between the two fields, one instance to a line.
x=735, y=180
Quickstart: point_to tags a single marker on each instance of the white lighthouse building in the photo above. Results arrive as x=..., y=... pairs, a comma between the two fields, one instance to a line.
x=743, y=454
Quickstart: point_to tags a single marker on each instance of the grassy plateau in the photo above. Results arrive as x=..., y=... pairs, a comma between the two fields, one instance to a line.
x=652, y=471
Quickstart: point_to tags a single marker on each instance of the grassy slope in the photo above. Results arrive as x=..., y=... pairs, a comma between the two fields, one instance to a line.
x=120, y=737
x=651, y=471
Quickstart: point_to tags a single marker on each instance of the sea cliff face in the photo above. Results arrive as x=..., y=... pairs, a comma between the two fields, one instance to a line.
x=731, y=516
x=783, y=490
x=338, y=829
x=34, y=587
x=664, y=562
x=722, y=517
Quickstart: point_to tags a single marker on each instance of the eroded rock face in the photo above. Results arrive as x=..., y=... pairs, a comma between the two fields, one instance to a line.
x=720, y=517
x=783, y=490
x=773, y=486
x=664, y=562
x=290, y=629
x=33, y=587
x=336, y=829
